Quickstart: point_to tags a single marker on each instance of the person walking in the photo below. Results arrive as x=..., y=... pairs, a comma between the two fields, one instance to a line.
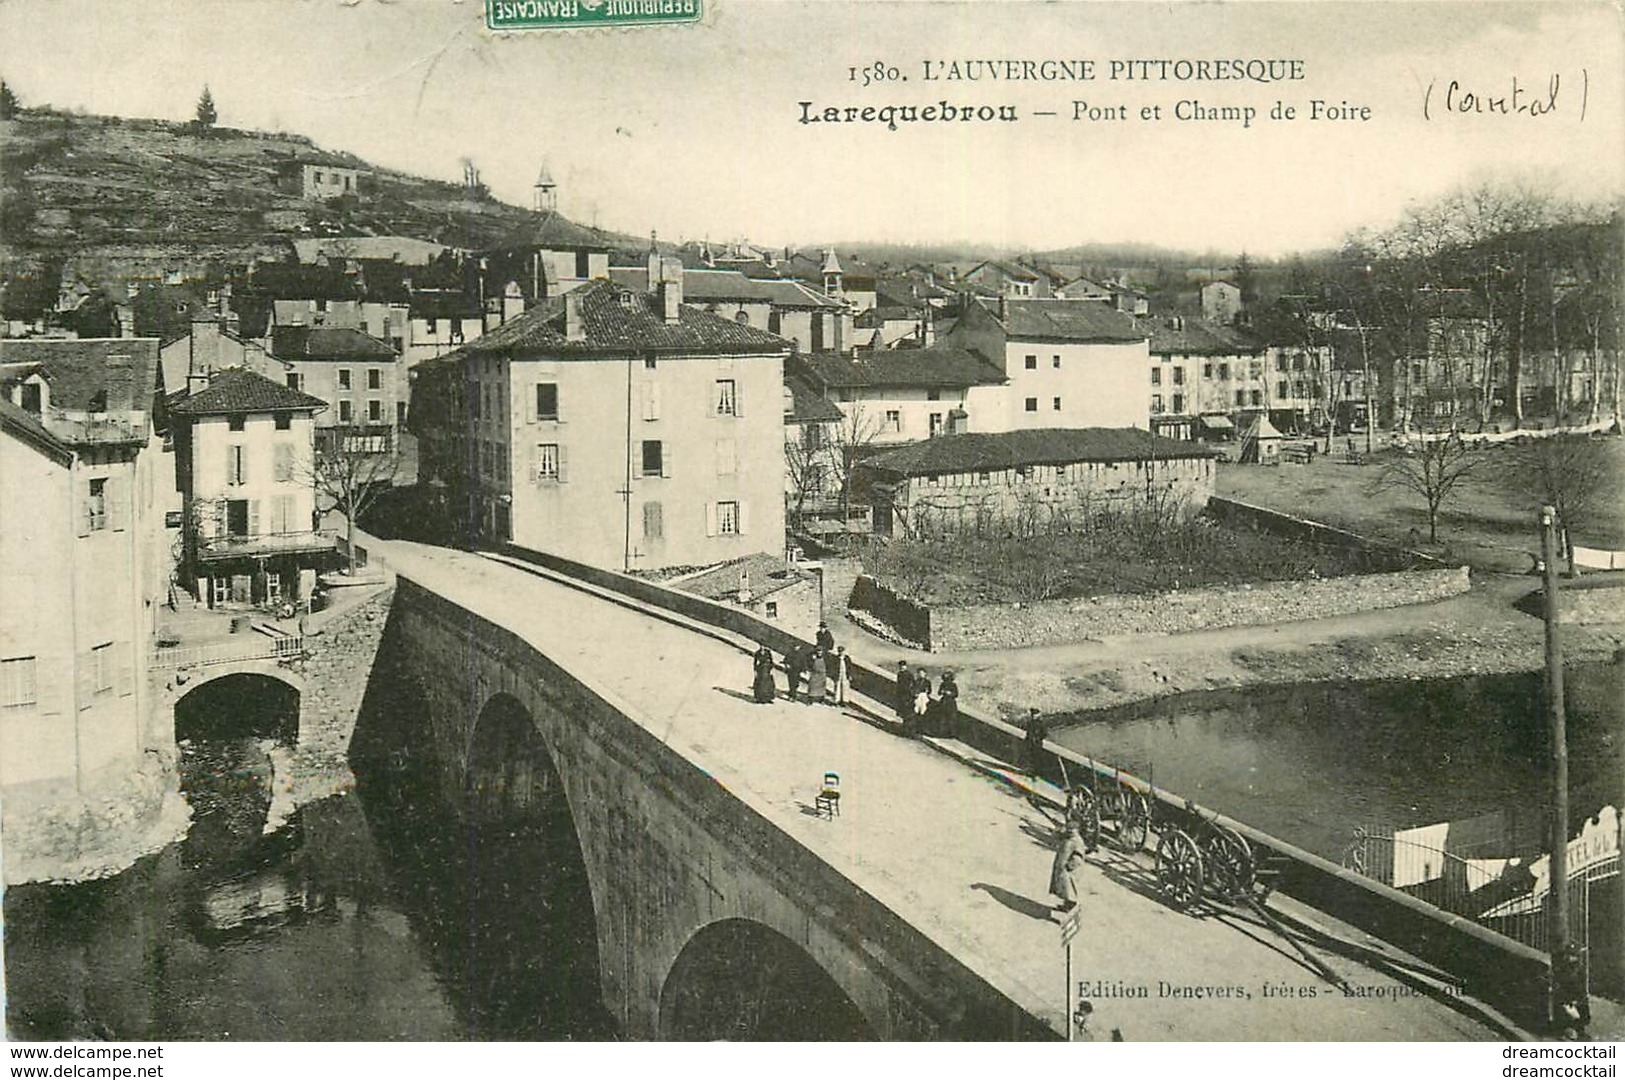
x=1037, y=732
x=825, y=639
x=842, y=678
x=946, y=721
x=762, y=690
x=1068, y=857
x=816, y=675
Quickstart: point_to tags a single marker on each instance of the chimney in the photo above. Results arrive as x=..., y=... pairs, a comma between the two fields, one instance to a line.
x=666, y=283
x=1004, y=308
x=671, y=297
x=197, y=382
x=573, y=328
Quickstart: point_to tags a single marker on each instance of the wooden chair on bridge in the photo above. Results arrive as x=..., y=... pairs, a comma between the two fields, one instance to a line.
x=828, y=801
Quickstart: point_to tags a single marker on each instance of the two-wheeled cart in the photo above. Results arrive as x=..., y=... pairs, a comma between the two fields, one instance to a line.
x=1093, y=803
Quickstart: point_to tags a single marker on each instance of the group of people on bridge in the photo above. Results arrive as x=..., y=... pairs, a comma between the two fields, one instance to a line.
x=824, y=667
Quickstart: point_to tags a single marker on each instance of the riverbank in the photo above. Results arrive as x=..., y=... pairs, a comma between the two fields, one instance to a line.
x=1478, y=632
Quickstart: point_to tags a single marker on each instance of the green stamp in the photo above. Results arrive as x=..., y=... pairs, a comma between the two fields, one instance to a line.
x=567, y=14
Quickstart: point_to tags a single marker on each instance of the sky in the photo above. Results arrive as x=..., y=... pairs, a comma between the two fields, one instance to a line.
x=694, y=130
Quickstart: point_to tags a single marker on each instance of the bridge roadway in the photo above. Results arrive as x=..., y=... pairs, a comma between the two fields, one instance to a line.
x=963, y=858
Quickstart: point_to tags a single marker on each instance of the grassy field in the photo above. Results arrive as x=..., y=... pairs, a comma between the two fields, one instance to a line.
x=1490, y=523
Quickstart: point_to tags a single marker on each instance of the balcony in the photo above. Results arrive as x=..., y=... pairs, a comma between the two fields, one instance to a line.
x=219, y=548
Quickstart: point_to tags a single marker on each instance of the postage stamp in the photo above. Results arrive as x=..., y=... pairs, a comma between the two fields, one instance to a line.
x=568, y=14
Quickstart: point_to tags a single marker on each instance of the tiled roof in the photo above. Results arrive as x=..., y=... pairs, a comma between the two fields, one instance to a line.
x=407, y=249
x=1042, y=446
x=878, y=316
x=327, y=343
x=555, y=231
x=1177, y=334
x=1070, y=320
x=810, y=407
x=1009, y=270
x=91, y=374
x=238, y=390
x=293, y=281
x=27, y=427
x=767, y=575
x=616, y=327
x=939, y=366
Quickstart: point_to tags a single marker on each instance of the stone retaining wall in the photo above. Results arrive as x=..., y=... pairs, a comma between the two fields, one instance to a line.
x=1057, y=622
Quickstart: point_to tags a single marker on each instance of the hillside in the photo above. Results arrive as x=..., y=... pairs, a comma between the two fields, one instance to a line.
x=121, y=193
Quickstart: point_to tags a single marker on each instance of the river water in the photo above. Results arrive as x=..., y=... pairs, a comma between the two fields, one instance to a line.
x=372, y=916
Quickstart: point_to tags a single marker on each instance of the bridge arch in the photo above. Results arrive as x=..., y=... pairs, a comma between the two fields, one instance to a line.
x=235, y=701
x=738, y=979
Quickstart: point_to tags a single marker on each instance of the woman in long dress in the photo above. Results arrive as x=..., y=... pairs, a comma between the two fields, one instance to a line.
x=1068, y=857
x=762, y=684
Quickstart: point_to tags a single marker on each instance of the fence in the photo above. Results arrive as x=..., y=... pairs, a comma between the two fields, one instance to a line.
x=251, y=647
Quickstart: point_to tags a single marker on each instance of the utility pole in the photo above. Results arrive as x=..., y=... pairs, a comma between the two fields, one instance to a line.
x=1558, y=906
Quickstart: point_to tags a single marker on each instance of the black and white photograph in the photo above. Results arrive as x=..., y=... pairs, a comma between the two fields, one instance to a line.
x=778, y=521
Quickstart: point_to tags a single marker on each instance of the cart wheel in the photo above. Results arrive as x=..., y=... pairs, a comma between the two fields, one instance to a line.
x=1231, y=860
x=1134, y=824
x=1086, y=815
x=1179, y=869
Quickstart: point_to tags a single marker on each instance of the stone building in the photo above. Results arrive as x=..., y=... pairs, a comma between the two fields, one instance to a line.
x=1026, y=482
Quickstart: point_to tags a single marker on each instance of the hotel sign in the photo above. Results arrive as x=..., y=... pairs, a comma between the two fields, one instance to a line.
x=570, y=14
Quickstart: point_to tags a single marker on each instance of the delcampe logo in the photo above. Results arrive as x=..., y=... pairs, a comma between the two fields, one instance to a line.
x=565, y=14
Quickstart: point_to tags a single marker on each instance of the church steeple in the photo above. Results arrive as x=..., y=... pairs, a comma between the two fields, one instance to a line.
x=544, y=193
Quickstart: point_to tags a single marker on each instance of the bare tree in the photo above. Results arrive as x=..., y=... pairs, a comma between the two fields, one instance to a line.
x=807, y=465
x=856, y=432
x=1433, y=469
x=351, y=468
x=1570, y=473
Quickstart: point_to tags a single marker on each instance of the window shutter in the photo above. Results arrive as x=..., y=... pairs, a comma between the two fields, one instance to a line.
x=634, y=454
x=87, y=679
x=231, y=466
x=710, y=519
x=564, y=463
x=284, y=461
x=124, y=672
x=253, y=517
x=744, y=518
x=118, y=502
x=82, y=518
x=558, y=402
x=739, y=398
x=666, y=454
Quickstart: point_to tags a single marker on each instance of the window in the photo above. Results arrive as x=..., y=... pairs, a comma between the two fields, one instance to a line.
x=284, y=421
x=547, y=401
x=652, y=457
x=283, y=461
x=1156, y=376
x=772, y=609
x=273, y=587
x=236, y=465
x=1156, y=403
x=1056, y=404
x=235, y=423
x=220, y=589
x=101, y=664
x=431, y=325
x=31, y=398
x=294, y=380
x=894, y=420
x=1280, y=389
x=375, y=411
x=375, y=379
x=1178, y=403
x=1179, y=376
x=727, y=519
x=743, y=318
x=1032, y=363
x=649, y=365
x=548, y=462
x=19, y=682
x=654, y=525
x=96, y=504
x=1224, y=371
x=282, y=515
x=933, y=395
x=1207, y=371
x=346, y=412
x=1032, y=404
x=1258, y=397
x=1241, y=397
x=1280, y=362
x=934, y=425
x=726, y=398
x=237, y=517
x=344, y=378
x=583, y=264
x=1055, y=361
